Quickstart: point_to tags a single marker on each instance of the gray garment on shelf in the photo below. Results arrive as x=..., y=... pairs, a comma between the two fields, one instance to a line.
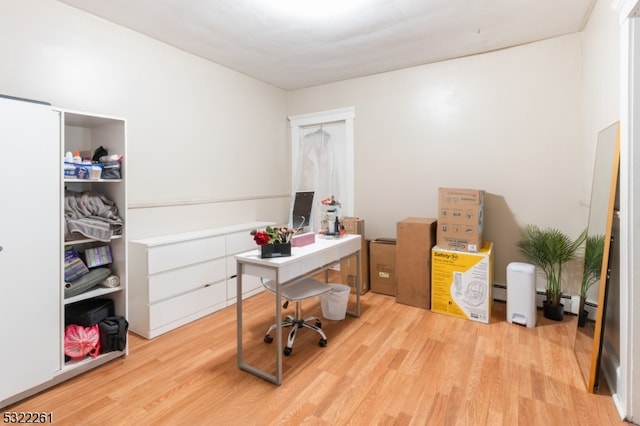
x=92, y=215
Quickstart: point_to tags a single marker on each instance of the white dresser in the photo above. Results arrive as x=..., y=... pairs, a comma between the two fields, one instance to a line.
x=175, y=279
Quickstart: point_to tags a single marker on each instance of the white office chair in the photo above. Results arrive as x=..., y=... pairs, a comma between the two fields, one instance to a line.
x=297, y=292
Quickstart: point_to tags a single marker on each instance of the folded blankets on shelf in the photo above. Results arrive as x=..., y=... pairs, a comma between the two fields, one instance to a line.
x=92, y=215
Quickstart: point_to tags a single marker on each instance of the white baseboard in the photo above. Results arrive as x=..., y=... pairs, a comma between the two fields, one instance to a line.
x=500, y=294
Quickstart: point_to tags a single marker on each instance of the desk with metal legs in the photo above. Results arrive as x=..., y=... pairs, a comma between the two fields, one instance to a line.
x=304, y=262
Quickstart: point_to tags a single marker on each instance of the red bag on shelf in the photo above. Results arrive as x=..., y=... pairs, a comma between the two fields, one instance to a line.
x=81, y=341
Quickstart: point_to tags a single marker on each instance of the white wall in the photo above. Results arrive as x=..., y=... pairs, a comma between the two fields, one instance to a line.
x=508, y=122
x=207, y=146
x=600, y=81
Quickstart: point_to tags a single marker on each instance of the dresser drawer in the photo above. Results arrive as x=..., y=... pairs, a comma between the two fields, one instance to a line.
x=170, y=256
x=186, y=305
x=182, y=280
x=239, y=242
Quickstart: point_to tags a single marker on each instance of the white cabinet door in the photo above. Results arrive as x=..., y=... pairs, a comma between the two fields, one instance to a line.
x=30, y=267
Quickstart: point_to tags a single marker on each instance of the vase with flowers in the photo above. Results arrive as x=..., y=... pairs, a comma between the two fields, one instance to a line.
x=273, y=241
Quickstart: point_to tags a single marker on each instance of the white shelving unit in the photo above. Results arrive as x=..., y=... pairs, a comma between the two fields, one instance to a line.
x=32, y=240
x=85, y=133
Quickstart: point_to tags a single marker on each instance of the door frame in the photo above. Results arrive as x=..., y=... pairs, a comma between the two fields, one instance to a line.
x=626, y=397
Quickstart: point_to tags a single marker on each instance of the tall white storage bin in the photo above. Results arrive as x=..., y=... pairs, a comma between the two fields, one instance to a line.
x=521, y=293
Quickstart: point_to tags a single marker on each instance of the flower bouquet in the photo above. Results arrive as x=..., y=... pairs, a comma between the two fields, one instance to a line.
x=273, y=241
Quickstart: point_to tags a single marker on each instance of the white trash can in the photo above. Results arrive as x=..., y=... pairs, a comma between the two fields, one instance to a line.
x=521, y=294
x=334, y=302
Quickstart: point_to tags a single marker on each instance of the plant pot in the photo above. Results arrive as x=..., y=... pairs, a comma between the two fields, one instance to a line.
x=275, y=250
x=582, y=318
x=553, y=312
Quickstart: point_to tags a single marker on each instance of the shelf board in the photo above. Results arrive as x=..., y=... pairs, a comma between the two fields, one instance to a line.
x=89, y=240
x=86, y=363
x=94, y=292
x=71, y=180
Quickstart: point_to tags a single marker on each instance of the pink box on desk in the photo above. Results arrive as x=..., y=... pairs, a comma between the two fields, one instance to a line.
x=303, y=239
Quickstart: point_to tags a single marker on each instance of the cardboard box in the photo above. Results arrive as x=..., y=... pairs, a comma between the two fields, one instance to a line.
x=354, y=225
x=415, y=238
x=382, y=266
x=348, y=270
x=462, y=283
x=460, y=219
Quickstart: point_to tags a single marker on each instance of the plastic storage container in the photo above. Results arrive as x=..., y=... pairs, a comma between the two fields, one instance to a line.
x=334, y=302
x=521, y=294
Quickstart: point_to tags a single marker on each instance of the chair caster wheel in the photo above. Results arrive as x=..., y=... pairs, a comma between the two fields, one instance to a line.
x=322, y=343
x=268, y=339
x=318, y=324
x=287, y=351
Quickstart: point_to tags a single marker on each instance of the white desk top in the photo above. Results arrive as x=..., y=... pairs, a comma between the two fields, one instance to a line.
x=302, y=260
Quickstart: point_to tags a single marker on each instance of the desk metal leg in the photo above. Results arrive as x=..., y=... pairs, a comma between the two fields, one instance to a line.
x=239, y=313
x=356, y=313
x=277, y=379
x=278, y=332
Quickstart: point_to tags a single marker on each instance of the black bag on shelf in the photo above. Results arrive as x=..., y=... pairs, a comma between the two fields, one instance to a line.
x=113, y=334
x=99, y=152
x=88, y=312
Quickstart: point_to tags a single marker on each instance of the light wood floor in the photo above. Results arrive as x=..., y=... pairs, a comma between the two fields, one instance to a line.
x=395, y=365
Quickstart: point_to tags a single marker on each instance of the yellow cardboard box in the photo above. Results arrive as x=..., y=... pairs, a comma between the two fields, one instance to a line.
x=462, y=282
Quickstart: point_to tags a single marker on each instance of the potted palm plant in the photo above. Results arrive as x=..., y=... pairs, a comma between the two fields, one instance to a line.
x=593, y=253
x=549, y=249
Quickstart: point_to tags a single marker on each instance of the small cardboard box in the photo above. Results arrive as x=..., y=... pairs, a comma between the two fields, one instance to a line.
x=416, y=236
x=462, y=282
x=354, y=225
x=460, y=219
x=382, y=266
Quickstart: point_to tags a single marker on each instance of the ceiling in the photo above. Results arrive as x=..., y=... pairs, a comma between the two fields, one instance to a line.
x=275, y=42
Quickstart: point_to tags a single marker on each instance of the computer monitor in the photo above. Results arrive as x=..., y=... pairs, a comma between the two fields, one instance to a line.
x=301, y=212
